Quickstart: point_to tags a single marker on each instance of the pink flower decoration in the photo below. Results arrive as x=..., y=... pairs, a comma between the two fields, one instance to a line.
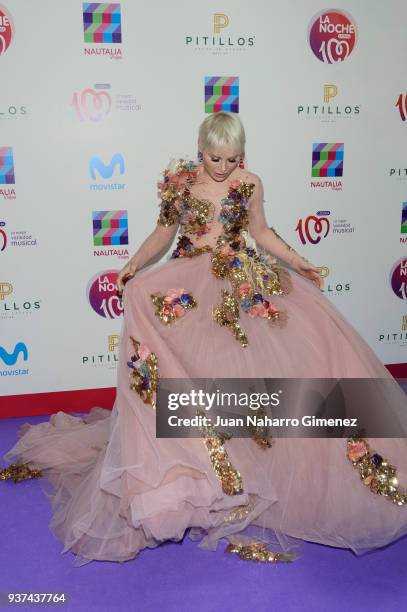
x=257, y=310
x=166, y=310
x=173, y=294
x=178, y=310
x=245, y=289
x=235, y=184
x=272, y=309
x=357, y=450
x=176, y=179
x=143, y=351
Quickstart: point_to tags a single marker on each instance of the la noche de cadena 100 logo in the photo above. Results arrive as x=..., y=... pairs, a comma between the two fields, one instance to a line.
x=6, y=29
x=332, y=35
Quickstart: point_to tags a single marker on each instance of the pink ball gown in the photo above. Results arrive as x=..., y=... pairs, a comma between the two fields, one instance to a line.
x=218, y=308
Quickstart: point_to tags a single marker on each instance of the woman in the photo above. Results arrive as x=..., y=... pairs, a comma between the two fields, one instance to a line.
x=218, y=308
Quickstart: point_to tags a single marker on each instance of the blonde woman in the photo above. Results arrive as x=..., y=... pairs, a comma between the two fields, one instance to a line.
x=233, y=301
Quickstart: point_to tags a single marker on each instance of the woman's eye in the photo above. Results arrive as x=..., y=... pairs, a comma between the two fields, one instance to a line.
x=232, y=161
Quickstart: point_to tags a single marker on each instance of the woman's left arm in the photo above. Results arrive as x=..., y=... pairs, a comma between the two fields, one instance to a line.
x=267, y=238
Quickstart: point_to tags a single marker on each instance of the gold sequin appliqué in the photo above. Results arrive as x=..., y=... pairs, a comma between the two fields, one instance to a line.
x=261, y=433
x=19, y=472
x=227, y=314
x=144, y=372
x=375, y=471
x=229, y=477
x=258, y=551
x=172, y=306
x=196, y=214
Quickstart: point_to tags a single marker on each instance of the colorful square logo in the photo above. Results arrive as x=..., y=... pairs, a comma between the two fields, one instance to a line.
x=221, y=94
x=102, y=22
x=404, y=218
x=6, y=166
x=327, y=159
x=110, y=227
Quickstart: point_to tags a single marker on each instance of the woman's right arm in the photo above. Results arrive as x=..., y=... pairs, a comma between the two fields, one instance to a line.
x=150, y=251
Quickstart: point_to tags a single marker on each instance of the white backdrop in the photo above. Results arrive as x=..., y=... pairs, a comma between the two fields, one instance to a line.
x=151, y=105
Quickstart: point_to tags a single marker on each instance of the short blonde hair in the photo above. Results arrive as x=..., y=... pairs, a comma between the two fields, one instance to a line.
x=222, y=128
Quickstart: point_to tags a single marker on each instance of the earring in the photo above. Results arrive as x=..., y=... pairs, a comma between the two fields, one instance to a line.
x=200, y=156
x=241, y=163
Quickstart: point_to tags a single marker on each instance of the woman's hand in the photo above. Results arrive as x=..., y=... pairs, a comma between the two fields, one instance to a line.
x=126, y=274
x=308, y=270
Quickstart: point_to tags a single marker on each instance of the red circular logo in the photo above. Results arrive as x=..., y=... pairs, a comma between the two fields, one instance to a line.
x=6, y=29
x=332, y=35
x=102, y=295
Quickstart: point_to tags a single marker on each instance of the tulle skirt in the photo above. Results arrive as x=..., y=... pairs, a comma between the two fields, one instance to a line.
x=115, y=488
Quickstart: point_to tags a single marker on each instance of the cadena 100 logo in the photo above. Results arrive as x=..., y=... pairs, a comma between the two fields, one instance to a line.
x=102, y=295
x=6, y=30
x=398, y=278
x=332, y=35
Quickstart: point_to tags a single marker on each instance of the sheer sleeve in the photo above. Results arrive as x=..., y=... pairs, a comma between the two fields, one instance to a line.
x=264, y=235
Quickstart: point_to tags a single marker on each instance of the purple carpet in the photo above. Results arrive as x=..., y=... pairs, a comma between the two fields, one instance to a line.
x=182, y=576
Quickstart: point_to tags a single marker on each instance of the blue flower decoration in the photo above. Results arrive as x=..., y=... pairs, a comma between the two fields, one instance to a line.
x=236, y=263
x=246, y=303
x=258, y=298
x=143, y=369
x=185, y=298
x=376, y=459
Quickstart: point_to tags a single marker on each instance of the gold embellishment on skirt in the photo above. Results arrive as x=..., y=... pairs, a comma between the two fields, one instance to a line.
x=19, y=472
x=238, y=513
x=250, y=275
x=173, y=306
x=260, y=433
x=258, y=551
x=375, y=471
x=227, y=314
x=144, y=372
x=229, y=477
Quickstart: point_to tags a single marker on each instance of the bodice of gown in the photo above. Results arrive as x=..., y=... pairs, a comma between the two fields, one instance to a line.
x=221, y=228
x=204, y=224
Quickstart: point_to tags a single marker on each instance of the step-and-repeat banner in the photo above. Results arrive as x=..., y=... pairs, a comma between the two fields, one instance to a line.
x=96, y=98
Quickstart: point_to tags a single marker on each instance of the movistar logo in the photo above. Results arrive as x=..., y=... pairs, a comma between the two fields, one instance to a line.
x=106, y=171
x=11, y=358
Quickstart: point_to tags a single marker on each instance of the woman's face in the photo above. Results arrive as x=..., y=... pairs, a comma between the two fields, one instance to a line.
x=220, y=162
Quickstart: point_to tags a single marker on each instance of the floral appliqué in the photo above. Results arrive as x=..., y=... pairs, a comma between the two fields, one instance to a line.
x=375, y=471
x=251, y=274
x=173, y=305
x=175, y=180
x=144, y=372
